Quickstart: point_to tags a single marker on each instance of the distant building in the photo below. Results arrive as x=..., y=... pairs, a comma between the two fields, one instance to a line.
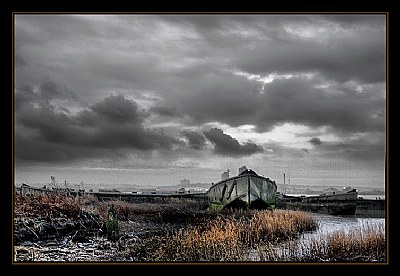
x=242, y=169
x=225, y=175
x=185, y=182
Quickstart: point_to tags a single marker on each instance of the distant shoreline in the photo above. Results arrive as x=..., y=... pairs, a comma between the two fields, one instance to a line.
x=365, y=192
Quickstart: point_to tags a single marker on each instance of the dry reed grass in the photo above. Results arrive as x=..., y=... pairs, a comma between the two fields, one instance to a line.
x=46, y=205
x=228, y=237
x=191, y=233
x=366, y=243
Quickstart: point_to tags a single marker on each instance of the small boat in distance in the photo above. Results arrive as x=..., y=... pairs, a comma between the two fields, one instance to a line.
x=247, y=190
x=331, y=201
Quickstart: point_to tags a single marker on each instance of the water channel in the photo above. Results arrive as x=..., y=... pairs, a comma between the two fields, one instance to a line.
x=328, y=224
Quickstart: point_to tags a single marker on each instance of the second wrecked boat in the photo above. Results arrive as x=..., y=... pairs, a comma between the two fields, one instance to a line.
x=331, y=202
x=247, y=190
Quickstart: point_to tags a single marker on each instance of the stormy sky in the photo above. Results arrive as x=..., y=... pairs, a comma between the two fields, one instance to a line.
x=149, y=99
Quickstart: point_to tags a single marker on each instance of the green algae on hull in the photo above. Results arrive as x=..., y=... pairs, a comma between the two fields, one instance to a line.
x=247, y=190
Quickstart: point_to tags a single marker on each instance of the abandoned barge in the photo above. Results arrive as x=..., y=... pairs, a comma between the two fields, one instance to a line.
x=332, y=203
x=247, y=190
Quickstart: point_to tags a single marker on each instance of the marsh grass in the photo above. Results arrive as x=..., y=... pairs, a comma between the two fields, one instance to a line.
x=227, y=237
x=175, y=211
x=47, y=205
x=366, y=243
x=186, y=231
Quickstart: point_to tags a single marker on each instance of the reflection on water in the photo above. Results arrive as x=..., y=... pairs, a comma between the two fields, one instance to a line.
x=328, y=224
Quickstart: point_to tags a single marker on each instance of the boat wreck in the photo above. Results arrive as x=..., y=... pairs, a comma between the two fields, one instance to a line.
x=331, y=202
x=247, y=190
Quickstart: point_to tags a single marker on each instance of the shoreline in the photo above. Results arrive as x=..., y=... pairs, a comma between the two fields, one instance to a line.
x=365, y=207
x=59, y=228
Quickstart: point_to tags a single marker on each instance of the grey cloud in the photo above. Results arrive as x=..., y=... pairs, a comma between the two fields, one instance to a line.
x=229, y=146
x=353, y=50
x=49, y=95
x=360, y=58
x=111, y=124
x=50, y=90
x=236, y=101
x=25, y=96
x=164, y=111
x=118, y=109
x=186, y=62
x=298, y=101
x=34, y=149
x=196, y=140
x=372, y=20
x=40, y=29
x=315, y=141
x=19, y=61
x=125, y=67
x=217, y=96
x=367, y=147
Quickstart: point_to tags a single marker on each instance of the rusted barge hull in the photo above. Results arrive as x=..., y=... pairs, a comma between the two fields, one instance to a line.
x=247, y=190
x=332, y=204
x=111, y=195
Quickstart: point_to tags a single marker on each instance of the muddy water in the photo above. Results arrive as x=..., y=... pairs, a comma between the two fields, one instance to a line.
x=328, y=224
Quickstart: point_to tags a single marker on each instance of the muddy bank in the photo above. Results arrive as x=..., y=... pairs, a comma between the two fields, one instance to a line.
x=57, y=228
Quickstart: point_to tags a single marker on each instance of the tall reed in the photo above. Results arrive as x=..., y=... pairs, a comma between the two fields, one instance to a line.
x=365, y=243
x=229, y=236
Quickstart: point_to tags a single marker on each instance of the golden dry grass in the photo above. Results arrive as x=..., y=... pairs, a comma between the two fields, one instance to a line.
x=364, y=243
x=46, y=205
x=192, y=234
x=229, y=237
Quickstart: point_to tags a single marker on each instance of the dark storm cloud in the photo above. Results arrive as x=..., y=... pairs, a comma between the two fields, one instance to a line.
x=340, y=47
x=315, y=141
x=237, y=101
x=52, y=27
x=229, y=146
x=45, y=133
x=191, y=64
x=118, y=109
x=187, y=64
x=358, y=148
x=360, y=58
x=91, y=54
x=268, y=22
x=349, y=50
x=25, y=96
x=297, y=100
x=164, y=111
x=372, y=20
x=196, y=140
x=50, y=90
x=218, y=96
